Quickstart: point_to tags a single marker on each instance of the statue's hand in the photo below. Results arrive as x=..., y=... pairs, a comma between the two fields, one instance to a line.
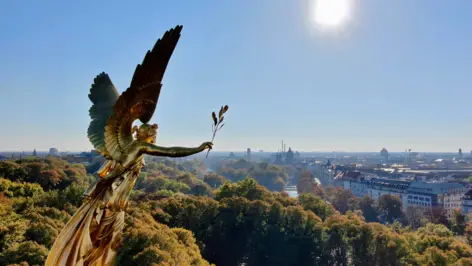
x=206, y=145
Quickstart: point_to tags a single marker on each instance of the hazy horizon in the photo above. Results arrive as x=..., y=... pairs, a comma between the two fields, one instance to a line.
x=395, y=75
x=240, y=151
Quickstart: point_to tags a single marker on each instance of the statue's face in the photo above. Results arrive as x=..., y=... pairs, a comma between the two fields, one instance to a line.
x=147, y=133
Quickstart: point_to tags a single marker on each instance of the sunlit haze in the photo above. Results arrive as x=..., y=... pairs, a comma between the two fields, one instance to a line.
x=331, y=12
x=399, y=75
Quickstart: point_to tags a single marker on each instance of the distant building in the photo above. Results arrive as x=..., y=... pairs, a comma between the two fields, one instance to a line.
x=73, y=158
x=348, y=180
x=447, y=195
x=324, y=172
x=377, y=187
x=373, y=187
x=53, y=152
x=289, y=156
x=248, y=154
x=35, y=153
x=384, y=154
x=460, y=153
x=84, y=157
x=427, y=194
x=466, y=203
x=278, y=159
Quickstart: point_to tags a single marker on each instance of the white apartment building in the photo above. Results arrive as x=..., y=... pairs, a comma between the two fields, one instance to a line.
x=448, y=195
x=466, y=203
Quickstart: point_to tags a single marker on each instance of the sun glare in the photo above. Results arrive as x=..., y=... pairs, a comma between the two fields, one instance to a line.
x=331, y=12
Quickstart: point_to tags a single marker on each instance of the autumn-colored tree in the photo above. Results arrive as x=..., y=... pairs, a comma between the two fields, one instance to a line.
x=13, y=171
x=28, y=252
x=34, y=170
x=240, y=223
x=201, y=189
x=45, y=224
x=214, y=180
x=342, y=200
x=49, y=179
x=437, y=215
x=306, y=184
x=468, y=232
x=390, y=208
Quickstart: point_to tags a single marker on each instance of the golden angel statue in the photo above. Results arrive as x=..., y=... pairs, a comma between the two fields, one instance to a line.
x=92, y=235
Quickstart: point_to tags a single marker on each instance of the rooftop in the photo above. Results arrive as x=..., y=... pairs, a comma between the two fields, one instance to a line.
x=388, y=183
x=468, y=195
x=436, y=187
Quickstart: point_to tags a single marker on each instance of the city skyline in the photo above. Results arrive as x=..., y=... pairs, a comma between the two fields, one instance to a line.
x=256, y=151
x=395, y=75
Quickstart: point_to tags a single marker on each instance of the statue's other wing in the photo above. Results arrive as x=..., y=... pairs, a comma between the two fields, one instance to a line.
x=103, y=95
x=140, y=99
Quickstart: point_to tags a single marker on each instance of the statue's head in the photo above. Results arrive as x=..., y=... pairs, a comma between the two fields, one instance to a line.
x=146, y=132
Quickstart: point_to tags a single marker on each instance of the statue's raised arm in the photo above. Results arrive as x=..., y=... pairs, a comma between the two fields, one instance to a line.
x=92, y=235
x=139, y=102
x=151, y=149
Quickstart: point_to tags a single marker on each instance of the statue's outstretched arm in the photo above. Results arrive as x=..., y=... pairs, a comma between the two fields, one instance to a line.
x=151, y=149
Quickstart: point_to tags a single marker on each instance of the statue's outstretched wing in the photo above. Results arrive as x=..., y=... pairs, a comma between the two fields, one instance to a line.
x=103, y=95
x=140, y=99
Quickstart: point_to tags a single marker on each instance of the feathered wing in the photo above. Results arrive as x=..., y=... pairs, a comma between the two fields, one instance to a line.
x=103, y=95
x=140, y=99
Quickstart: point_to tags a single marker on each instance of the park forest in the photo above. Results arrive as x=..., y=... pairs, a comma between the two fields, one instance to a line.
x=181, y=215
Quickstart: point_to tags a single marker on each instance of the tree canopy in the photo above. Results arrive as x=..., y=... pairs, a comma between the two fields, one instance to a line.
x=178, y=217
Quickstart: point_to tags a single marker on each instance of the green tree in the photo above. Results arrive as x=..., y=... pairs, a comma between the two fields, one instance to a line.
x=146, y=242
x=12, y=227
x=439, y=230
x=415, y=216
x=30, y=252
x=316, y=205
x=369, y=209
x=458, y=222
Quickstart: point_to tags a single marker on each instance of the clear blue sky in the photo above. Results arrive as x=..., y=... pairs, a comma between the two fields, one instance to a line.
x=397, y=75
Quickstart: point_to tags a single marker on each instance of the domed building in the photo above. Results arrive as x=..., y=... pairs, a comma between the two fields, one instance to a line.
x=384, y=154
x=289, y=156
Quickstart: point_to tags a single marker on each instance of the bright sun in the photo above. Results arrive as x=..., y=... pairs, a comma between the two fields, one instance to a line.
x=331, y=12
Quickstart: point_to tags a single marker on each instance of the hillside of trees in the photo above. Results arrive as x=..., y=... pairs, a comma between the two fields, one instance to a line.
x=180, y=215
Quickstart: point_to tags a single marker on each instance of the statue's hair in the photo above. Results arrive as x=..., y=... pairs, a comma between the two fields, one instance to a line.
x=144, y=128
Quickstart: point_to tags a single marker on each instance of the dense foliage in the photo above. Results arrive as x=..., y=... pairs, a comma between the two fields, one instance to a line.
x=182, y=217
x=38, y=196
x=273, y=177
